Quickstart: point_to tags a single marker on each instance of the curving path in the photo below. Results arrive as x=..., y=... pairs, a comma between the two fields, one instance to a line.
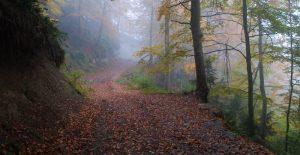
x=115, y=120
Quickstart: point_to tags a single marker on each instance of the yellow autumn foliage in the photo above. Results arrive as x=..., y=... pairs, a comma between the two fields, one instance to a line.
x=189, y=67
x=55, y=7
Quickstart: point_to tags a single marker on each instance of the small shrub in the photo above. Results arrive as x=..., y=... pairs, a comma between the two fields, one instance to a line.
x=140, y=81
x=188, y=86
x=75, y=78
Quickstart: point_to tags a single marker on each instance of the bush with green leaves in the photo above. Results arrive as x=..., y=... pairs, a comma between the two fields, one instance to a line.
x=75, y=78
x=140, y=81
x=233, y=104
x=276, y=141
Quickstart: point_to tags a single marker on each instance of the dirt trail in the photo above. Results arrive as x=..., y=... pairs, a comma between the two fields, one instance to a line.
x=110, y=73
x=116, y=120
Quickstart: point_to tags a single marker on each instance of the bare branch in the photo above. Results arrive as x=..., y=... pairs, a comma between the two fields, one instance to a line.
x=231, y=47
x=221, y=13
x=230, y=20
x=185, y=7
x=180, y=3
x=180, y=22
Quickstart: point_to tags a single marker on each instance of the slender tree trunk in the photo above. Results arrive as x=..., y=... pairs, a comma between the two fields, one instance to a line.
x=202, y=88
x=167, y=45
x=291, y=80
x=79, y=17
x=299, y=104
x=119, y=19
x=100, y=30
x=151, y=24
x=151, y=30
x=227, y=66
x=262, y=79
x=249, y=72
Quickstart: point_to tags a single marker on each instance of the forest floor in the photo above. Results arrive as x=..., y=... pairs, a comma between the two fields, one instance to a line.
x=117, y=120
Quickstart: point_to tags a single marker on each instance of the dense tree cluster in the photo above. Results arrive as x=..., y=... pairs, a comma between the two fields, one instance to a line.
x=91, y=31
x=241, y=40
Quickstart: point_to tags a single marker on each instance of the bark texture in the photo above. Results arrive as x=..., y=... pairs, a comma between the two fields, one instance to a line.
x=262, y=80
x=202, y=88
x=249, y=71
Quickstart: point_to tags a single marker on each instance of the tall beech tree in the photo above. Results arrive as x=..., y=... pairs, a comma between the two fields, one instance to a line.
x=261, y=72
x=262, y=79
x=260, y=31
x=251, y=127
x=197, y=35
x=167, y=42
x=292, y=61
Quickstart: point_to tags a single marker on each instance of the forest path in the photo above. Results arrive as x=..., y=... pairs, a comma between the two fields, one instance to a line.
x=116, y=120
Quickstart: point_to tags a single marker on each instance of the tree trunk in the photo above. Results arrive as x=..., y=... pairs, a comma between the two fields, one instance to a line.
x=167, y=45
x=249, y=71
x=202, y=88
x=79, y=17
x=299, y=103
x=151, y=30
x=291, y=80
x=227, y=66
x=151, y=24
x=100, y=31
x=262, y=80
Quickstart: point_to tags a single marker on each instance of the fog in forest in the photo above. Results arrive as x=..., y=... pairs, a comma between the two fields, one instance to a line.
x=99, y=31
x=150, y=77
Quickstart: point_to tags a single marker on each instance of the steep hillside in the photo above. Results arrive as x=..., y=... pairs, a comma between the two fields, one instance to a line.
x=34, y=95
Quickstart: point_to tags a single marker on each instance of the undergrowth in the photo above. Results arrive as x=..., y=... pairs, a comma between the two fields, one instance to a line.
x=140, y=81
x=75, y=78
x=233, y=104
